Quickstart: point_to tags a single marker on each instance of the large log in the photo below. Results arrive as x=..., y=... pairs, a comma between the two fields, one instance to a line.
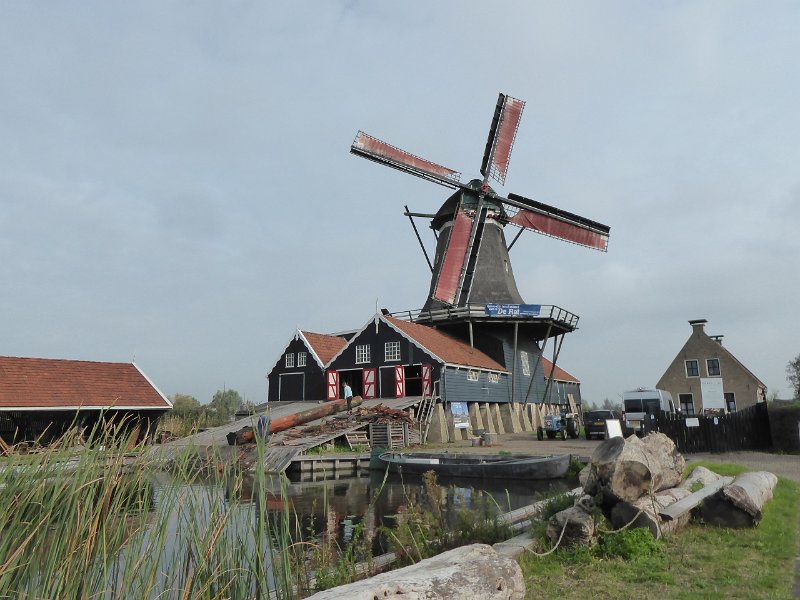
x=246, y=435
x=686, y=504
x=465, y=573
x=644, y=512
x=741, y=503
x=574, y=526
x=625, y=469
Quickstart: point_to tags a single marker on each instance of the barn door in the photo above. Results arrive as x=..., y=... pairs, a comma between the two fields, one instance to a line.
x=399, y=381
x=333, y=385
x=368, y=388
x=426, y=381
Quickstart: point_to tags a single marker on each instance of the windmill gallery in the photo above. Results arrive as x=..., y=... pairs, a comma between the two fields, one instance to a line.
x=475, y=339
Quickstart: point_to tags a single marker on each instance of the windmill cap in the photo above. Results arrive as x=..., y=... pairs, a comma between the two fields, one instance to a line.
x=695, y=322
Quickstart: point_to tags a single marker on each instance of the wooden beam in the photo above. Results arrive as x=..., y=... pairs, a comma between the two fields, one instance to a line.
x=673, y=511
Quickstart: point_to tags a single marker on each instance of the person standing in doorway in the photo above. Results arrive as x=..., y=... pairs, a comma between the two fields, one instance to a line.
x=348, y=396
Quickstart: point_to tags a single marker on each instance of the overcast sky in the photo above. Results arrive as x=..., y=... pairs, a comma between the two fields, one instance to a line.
x=176, y=185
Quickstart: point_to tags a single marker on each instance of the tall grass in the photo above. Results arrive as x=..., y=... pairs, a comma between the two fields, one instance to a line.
x=101, y=523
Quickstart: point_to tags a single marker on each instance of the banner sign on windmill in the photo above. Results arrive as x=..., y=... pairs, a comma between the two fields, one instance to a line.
x=512, y=310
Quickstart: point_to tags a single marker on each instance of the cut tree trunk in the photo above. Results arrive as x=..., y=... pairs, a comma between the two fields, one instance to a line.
x=700, y=475
x=465, y=573
x=740, y=504
x=626, y=469
x=577, y=523
x=644, y=512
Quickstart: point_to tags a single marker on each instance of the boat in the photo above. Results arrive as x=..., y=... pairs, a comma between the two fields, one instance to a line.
x=482, y=466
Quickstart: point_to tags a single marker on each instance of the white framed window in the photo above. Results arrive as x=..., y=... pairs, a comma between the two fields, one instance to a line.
x=712, y=367
x=289, y=359
x=391, y=351
x=692, y=368
x=362, y=354
x=472, y=376
x=526, y=367
x=730, y=401
x=494, y=377
x=301, y=359
x=687, y=404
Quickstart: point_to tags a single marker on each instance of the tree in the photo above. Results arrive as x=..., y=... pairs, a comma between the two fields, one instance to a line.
x=226, y=403
x=793, y=375
x=184, y=404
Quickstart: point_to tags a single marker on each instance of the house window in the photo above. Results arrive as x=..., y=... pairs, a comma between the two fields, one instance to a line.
x=362, y=354
x=730, y=401
x=526, y=367
x=687, y=404
x=290, y=359
x=712, y=366
x=391, y=351
x=494, y=377
x=692, y=368
x=301, y=359
x=472, y=376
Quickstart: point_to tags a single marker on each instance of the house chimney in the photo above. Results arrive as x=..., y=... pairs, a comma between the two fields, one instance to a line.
x=717, y=338
x=698, y=324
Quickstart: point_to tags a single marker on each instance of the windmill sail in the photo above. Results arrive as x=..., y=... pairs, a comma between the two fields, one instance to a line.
x=372, y=148
x=502, y=133
x=452, y=262
x=554, y=222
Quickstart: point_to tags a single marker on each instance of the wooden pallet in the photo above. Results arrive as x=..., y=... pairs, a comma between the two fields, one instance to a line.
x=357, y=438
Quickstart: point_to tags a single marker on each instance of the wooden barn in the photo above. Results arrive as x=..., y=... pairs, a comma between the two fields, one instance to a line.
x=41, y=398
x=299, y=372
x=390, y=357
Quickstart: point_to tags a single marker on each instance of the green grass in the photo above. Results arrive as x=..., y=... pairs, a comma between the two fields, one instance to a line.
x=699, y=562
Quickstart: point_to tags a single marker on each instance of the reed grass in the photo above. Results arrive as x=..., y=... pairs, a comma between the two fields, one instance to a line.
x=94, y=521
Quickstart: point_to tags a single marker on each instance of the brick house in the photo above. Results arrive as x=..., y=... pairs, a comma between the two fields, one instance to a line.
x=704, y=367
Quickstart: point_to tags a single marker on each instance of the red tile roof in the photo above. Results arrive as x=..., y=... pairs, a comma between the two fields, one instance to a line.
x=324, y=346
x=446, y=347
x=559, y=375
x=44, y=383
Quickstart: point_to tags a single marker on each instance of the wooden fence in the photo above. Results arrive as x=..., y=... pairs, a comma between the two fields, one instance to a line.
x=747, y=429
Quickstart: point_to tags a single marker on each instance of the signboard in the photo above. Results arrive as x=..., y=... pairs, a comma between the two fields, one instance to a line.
x=512, y=310
x=460, y=415
x=711, y=393
x=693, y=422
x=613, y=428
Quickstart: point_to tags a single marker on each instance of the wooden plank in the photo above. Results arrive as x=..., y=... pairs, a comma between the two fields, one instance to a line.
x=277, y=458
x=673, y=511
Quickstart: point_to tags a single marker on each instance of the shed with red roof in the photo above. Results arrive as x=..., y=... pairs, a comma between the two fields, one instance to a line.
x=41, y=397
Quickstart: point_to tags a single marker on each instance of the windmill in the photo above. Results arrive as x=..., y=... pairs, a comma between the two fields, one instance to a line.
x=471, y=265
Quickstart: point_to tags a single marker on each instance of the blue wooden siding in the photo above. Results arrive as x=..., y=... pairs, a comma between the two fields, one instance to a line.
x=458, y=388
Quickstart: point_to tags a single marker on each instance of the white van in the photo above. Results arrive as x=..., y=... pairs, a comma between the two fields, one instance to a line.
x=641, y=403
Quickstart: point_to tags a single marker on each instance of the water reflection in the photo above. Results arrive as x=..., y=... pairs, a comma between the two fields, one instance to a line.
x=336, y=506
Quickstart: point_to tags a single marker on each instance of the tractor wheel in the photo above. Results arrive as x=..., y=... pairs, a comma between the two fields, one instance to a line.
x=539, y=434
x=563, y=434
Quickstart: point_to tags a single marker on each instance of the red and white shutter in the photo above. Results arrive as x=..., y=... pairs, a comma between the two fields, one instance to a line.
x=427, y=387
x=399, y=381
x=368, y=388
x=333, y=385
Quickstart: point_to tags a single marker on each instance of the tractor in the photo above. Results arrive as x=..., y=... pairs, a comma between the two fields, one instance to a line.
x=563, y=424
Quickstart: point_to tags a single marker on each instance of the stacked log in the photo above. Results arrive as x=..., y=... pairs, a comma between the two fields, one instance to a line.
x=626, y=469
x=574, y=526
x=741, y=503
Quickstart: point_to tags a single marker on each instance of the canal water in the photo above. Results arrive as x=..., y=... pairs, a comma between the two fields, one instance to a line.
x=336, y=507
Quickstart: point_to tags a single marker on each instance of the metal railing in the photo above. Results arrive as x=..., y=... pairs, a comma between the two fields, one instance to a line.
x=546, y=312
